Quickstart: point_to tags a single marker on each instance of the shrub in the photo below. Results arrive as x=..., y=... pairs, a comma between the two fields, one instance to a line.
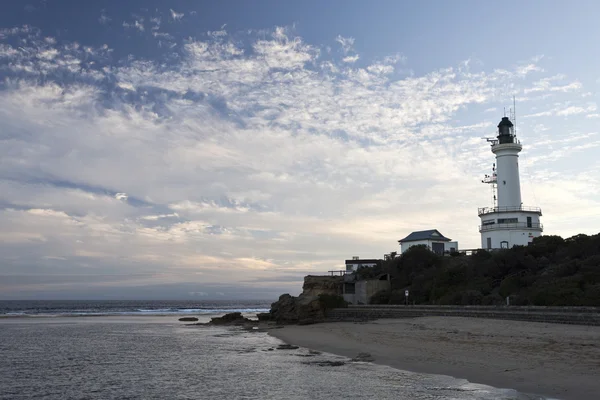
x=397, y=297
x=328, y=301
x=471, y=298
x=381, y=297
x=551, y=271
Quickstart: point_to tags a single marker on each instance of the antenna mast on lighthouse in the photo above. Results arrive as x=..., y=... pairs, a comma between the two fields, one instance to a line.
x=512, y=115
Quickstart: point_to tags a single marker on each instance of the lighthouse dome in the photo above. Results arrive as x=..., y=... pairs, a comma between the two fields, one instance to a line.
x=505, y=131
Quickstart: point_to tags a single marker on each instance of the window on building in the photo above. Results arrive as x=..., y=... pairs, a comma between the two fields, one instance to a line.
x=489, y=243
x=504, y=244
x=349, y=288
x=529, y=223
x=508, y=220
x=488, y=222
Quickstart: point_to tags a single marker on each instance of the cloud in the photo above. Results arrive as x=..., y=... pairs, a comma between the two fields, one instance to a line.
x=104, y=19
x=136, y=24
x=347, y=43
x=176, y=16
x=525, y=69
x=564, y=111
x=351, y=59
x=549, y=85
x=248, y=156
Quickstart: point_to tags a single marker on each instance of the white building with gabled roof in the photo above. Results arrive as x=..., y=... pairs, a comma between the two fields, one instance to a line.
x=431, y=238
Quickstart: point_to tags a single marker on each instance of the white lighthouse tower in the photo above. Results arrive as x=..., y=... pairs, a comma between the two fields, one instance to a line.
x=508, y=222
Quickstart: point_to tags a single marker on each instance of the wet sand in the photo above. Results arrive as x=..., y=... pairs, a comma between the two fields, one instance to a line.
x=554, y=360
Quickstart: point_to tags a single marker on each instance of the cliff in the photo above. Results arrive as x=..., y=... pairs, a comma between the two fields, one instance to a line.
x=309, y=306
x=314, y=285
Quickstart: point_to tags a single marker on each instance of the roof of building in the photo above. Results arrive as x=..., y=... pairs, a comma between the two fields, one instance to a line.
x=431, y=234
x=363, y=261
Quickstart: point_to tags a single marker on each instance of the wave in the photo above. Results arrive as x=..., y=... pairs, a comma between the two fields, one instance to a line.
x=157, y=312
x=31, y=308
x=205, y=310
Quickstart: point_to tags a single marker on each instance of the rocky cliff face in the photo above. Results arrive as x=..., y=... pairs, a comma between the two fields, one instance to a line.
x=315, y=285
x=306, y=308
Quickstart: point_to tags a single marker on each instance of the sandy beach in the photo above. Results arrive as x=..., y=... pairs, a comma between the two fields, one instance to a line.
x=553, y=360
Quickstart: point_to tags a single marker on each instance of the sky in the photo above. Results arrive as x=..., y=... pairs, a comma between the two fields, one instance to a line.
x=224, y=150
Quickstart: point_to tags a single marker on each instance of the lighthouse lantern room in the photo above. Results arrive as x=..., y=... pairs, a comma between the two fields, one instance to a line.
x=508, y=222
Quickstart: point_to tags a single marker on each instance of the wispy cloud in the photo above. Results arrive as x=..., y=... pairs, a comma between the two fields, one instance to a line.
x=176, y=16
x=104, y=18
x=565, y=111
x=347, y=43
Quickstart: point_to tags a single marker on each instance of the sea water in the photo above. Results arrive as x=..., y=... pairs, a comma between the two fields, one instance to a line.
x=54, y=308
x=133, y=356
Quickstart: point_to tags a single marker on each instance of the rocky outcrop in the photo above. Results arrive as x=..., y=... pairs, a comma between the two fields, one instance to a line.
x=234, y=318
x=306, y=308
x=284, y=310
x=188, y=319
x=287, y=347
x=363, y=357
x=263, y=316
x=314, y=285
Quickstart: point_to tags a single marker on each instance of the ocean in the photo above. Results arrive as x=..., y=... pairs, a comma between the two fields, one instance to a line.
x=53, y=308
x=139, y=350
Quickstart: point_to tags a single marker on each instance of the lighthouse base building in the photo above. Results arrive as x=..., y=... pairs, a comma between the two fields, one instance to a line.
x=506, y=228
x=508, y=223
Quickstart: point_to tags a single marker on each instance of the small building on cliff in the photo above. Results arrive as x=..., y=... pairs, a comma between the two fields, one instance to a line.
x=431, y=238
x=361, y=291
x=356, y=263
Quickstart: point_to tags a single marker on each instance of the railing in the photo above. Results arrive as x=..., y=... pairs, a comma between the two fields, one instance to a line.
x=489, y=210
x=514, y=225
x=496, y=142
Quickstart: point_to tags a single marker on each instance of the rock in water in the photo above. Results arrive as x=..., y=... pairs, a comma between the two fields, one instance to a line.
x=325, y=363
x=287, y=347
x=234, y=318
x=365, y=357
x=188, y=319
x=263, y=316
x=284, y=309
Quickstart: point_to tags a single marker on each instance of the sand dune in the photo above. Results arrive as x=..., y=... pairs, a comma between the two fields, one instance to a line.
x=560, y=361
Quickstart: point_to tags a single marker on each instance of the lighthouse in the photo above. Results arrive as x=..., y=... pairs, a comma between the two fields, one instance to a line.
x=508, y=222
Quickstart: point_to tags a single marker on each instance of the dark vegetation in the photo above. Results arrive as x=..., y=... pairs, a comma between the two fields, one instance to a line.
x=329, y=301
x=552, y=271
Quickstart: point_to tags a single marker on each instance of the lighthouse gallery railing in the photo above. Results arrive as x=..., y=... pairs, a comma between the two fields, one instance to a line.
x=490, y=210
x=514, y=225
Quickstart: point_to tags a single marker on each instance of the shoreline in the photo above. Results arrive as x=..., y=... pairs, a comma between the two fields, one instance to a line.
x=542, y=359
